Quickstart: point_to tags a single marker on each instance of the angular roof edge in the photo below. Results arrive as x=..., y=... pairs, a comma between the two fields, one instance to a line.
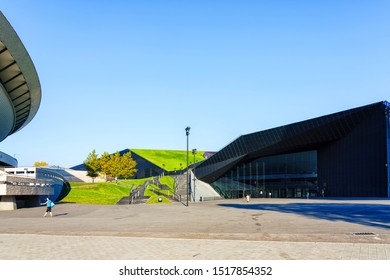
x=284, y=137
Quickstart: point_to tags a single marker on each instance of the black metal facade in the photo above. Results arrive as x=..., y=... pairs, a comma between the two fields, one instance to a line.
x=351, y=153
x=145, y=168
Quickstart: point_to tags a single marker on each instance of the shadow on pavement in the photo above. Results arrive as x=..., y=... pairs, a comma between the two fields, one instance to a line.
x=374, y=215
x=61, y=214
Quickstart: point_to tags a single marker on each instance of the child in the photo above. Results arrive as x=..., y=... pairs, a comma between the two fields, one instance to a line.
x=49, y=206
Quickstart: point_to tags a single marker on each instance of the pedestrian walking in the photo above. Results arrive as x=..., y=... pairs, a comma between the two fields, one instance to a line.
x=49, y=205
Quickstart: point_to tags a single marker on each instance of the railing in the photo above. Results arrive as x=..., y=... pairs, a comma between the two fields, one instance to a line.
x=135, y=193
x=42, y=177
x=17, y=180
x=170, y=195
x=138, y=192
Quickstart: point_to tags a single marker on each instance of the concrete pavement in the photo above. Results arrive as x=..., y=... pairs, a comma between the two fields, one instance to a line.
x=269, y=229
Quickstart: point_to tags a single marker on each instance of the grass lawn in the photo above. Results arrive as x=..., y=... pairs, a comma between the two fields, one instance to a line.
x=149, y=191
x=155, y=199
x=169, y=160
x=110, y=193
x=152, y=189
x=168, y=180
x=100, y=193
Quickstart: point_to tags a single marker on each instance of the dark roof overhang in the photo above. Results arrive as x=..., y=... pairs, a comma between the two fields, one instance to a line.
x=296, y=137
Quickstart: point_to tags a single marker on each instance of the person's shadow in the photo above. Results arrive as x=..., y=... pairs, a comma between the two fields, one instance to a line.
x=62, y=214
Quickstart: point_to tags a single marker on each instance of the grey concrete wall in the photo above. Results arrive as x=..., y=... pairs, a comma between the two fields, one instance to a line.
x=7, y=202
x=27, y=190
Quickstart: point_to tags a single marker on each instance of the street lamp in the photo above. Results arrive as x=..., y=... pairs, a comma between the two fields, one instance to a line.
x=194, y=153
x=188, y=185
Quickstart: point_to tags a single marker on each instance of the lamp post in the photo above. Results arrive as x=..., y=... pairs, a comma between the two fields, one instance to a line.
x=188, y=185
x=194, y=153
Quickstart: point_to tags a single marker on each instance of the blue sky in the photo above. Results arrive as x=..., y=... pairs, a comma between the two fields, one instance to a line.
x=133, y=74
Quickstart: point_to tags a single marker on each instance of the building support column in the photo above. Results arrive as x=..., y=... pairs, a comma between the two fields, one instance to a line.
x=8, y=202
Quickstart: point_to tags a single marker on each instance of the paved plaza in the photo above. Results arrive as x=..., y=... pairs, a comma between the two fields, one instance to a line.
x=268, y=229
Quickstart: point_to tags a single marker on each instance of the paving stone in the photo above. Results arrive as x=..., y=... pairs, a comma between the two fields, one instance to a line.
x=268, y=229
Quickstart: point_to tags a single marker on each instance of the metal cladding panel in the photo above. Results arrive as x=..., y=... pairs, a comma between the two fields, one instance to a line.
x=216, y=170
x=337, y=137
x=355, y=166
x=145, y=168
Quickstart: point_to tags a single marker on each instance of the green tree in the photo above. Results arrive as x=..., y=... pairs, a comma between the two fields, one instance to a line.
x=117, y=165
x=92, y=165
x=128, y=166
x=104, y=163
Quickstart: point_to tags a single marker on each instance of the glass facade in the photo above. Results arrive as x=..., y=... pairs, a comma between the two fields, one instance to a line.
x=287, y=175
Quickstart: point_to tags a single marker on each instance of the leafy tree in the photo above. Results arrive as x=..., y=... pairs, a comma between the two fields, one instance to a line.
x=40, y=163
x=114, y=165
x=105, y=167
x=128, y=165
x=92, y=164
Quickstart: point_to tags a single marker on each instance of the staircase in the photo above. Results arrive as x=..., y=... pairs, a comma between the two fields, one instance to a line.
x=199, y=191
x=181, y=187
x=136, y=196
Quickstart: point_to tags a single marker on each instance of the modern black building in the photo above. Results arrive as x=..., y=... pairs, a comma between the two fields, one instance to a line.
x=344, y=154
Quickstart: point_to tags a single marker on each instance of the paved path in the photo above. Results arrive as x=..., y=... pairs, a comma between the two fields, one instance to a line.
x=29, y=246
x=269, y=229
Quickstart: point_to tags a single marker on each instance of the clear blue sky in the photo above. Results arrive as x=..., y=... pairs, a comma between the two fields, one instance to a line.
x=133, y=74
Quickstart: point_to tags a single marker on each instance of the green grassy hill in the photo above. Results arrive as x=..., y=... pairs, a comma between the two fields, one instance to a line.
x=100, y=193
x=169, y=160
x=154, y=192
x=110, y=193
